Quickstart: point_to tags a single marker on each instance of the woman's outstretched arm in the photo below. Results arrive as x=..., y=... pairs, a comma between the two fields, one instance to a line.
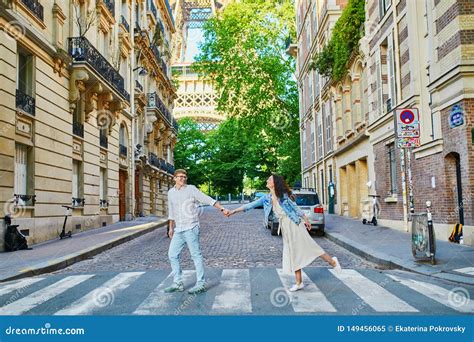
x=248, y=206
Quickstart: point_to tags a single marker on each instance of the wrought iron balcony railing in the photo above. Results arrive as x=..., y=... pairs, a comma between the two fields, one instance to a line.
x=103, y=203
x=78, y=202
x=154, y=101
x=25, y=102
x=153, y=160
x=104, y=141
x=35, y=7
x=160, y=163
x=151, y=7
x=110, y=4
x=78, y=129
x=168, y=7
x=138, y=85
x=123, y=150
x=24, y=200
x=124, y=22
x=159, y=59
x=82, y=51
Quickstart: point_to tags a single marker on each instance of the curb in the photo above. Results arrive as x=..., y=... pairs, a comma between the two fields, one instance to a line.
x=393, y=263
x=58, y=264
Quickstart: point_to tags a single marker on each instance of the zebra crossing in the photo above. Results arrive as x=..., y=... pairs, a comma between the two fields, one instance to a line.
x=235, y=292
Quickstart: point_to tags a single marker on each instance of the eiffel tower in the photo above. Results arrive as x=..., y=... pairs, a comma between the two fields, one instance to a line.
x=196, y=97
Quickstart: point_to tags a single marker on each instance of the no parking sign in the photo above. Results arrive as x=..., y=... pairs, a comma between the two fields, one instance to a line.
x=408, y=127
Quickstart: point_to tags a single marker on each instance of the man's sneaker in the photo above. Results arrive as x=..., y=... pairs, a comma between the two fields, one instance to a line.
x=175, y=287
x=296, y=287
x=337, y=268
x=198, y=288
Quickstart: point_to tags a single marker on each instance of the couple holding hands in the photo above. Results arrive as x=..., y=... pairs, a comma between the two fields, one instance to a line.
x=299, y=249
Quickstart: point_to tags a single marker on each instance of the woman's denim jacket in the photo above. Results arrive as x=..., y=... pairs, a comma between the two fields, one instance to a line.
x=289, y=207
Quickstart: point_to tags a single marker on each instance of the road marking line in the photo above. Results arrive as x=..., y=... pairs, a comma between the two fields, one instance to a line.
x=372, y=293
x=36, y=298
x=310, y=299
x=18, y=285
x=236, y=296
x=160, y=302
x=466, y=270
x=440, y=294
x=106, y=292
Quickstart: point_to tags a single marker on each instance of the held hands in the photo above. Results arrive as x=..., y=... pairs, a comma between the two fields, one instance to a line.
x=229, y=213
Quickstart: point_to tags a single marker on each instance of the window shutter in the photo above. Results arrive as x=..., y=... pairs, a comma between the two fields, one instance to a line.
x=378, y=67
x=391, y=70
x=75, y=179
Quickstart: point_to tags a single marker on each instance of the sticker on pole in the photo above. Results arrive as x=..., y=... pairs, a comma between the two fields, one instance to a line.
x=408, y=127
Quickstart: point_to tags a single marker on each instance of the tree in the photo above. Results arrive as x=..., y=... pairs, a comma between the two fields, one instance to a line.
x=243, y=54
x=190, y=152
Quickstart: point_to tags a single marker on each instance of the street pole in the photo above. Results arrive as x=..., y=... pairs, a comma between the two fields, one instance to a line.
x=404, y=188
x=410, y=182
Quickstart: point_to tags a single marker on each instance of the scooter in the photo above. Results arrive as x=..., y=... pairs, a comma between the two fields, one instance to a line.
x=63, y=233
x=375, y=209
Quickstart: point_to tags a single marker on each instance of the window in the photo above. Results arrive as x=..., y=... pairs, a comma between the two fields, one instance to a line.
x=384, y=5
x=103, y=187
x=78, y=118
x=310, y=89
x=322, y=186
x=320, y=139
x=315, y=20
x=77, y=183
x=305, y=158
x=379, y=90
x=313, y=152
x=393, y=169
x=123, y=141
x=327, y=109
x=25, y=73
x=23, y=178
x=392, y=88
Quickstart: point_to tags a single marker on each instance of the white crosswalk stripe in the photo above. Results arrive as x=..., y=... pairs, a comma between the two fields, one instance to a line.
x=18, y=285
x=311, y=299
x=233, y=293
x=36, y=298
x=236, y=296
x=372, y=293
x=160, y=302
x=457, y=298
x=101, y=296
x=466, y=270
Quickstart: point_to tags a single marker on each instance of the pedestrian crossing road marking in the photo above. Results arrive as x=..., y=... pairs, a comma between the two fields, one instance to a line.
x=233, y=291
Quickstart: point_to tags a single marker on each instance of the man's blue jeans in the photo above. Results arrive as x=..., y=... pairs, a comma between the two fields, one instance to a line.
x=191, y=238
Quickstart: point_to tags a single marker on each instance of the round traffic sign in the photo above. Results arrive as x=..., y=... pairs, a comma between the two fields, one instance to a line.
x=407, y=116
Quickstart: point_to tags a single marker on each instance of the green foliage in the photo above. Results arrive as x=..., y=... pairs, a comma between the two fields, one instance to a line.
x=243, y=53
x=348, y=30
x=190, y=152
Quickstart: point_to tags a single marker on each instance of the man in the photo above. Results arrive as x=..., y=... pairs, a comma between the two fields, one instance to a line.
x=184, y=229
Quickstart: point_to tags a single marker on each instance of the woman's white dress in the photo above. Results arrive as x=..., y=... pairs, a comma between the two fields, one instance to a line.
x=299, y=249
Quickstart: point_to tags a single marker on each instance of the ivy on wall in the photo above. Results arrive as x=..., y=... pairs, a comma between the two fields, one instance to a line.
x=348, y=30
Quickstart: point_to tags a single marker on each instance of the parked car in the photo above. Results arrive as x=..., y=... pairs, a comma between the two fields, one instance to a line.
x=308, y=201
x=256, y=195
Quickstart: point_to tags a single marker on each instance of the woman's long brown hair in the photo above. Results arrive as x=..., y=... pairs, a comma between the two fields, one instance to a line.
x=281, y=187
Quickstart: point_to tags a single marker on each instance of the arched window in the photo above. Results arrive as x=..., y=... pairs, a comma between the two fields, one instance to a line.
x=123, y=140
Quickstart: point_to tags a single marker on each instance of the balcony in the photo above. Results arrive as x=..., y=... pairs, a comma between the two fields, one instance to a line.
x=138, y=86
x=25, y=102
x=150, y=6
x=35, y=7
x=78, y=129
x=123, y=150
x=82, y=51
x=124, y=23
x=104, y=141
x=110, y=4
x=160, y=163
x=154, y=101
x=159, y=60
x=78, y=202
x=24, y=200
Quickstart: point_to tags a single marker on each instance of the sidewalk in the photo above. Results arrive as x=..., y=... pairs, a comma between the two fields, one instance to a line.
x=56, y=254
x=392, y=248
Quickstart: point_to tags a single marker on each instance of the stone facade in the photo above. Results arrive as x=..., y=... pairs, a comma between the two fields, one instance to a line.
x=74, y=108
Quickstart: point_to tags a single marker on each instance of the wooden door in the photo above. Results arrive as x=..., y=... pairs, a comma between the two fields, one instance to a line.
x=122, y=194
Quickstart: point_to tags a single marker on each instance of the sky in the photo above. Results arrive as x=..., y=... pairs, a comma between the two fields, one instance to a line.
x=194, y=38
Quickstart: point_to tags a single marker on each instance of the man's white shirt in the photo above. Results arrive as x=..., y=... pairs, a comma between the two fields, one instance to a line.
x=183, y=206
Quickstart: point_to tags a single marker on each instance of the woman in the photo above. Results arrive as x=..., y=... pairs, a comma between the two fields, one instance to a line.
x=299, y=249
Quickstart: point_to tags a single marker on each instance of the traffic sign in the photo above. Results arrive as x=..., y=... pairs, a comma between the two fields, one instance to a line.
x=408, y=123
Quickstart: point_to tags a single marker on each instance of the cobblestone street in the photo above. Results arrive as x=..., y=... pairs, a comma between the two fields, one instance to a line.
x=237, y=242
